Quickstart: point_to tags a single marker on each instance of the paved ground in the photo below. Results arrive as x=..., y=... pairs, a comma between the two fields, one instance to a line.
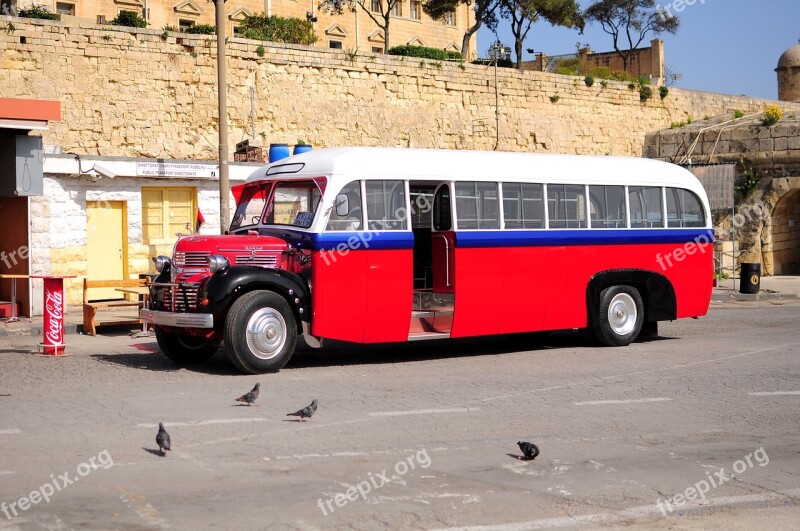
x=426, y=431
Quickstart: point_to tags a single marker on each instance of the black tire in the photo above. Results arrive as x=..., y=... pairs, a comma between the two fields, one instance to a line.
x=250, y=322
x=619, y=317
x=183, y=348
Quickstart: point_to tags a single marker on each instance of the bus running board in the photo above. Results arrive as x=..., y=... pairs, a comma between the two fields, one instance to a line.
x=421, y=336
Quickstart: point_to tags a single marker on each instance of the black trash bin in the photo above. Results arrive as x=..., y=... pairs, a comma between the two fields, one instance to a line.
x=751, y=278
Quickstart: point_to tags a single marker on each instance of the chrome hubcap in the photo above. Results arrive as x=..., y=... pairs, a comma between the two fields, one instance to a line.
x=266, y=333
x=622, y=314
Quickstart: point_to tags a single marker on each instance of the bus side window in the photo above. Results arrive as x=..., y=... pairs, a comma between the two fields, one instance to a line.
x=477, y=205
x=566, y=206
x=684, y=209
x=386, y=205
x=442, y=218
x=608, y=207
x=353, y=219
x=645, y=203
x=523, y=207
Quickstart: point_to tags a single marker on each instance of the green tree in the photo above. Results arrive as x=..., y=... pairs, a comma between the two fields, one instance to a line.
x=485, y=15
x=631, y=21
x=522, y=14
x=380, y=16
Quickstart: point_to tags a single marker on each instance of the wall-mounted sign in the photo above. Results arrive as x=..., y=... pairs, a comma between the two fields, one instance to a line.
x=175, y=169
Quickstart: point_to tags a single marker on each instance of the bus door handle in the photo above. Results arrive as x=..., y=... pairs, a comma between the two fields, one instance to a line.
x=447, y=259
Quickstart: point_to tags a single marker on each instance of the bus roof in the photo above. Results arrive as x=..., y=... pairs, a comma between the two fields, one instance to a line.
x=345, y=164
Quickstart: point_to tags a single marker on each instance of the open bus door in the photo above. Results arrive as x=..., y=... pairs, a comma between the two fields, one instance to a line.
x=443, y=242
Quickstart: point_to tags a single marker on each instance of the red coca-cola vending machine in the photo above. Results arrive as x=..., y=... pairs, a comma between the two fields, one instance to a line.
x=54, y=305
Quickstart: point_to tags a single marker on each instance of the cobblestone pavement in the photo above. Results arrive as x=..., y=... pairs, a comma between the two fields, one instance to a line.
x=418, y=436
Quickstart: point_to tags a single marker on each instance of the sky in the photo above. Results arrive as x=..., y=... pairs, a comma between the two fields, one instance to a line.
x=726, y=46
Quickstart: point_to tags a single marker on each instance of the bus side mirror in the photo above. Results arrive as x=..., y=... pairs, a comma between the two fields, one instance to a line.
x=342, y=205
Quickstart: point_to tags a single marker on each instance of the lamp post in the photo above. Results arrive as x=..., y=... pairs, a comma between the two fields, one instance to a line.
x=222, y=108
x=499, y=50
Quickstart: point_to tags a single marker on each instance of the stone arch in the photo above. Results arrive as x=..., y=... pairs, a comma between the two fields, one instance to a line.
x=786, y=234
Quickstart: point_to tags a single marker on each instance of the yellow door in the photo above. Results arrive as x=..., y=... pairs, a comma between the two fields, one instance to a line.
x=181, y=211
x=106, y=249
x=167, y=213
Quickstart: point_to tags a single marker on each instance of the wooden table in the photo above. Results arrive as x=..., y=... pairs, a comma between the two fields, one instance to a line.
x=144, y=291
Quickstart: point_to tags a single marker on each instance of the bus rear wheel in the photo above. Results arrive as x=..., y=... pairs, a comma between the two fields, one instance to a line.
x=260, y=332
x=620, y=315
x=183, y=348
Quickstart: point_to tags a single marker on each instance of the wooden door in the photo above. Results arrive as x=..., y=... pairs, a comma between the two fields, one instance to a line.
x=106, y=247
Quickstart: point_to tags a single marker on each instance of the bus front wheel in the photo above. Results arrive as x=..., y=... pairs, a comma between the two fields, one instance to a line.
x=260, y=332
x=620, y=315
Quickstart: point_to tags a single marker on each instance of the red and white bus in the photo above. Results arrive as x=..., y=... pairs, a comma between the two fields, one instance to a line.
x=373, y=245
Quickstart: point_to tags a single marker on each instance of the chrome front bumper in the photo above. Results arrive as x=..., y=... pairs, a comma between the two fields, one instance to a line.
x=180, y=320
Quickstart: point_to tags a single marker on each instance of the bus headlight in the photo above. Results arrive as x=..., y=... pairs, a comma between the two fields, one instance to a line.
x=217, y=262
x=161, y=262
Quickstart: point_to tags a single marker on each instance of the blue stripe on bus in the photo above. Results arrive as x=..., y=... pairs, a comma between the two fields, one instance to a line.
x=522, y=238
x=491, y=238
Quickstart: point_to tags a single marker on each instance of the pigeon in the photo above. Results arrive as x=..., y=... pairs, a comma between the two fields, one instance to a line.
x=250, y=398
x=306, y=412
x=162, y=439
x=529, y=450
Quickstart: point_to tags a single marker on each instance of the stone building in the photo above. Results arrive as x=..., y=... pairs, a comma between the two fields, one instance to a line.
x=647, y=62
x=789, y=75
x=765, y=162
x=350, y=31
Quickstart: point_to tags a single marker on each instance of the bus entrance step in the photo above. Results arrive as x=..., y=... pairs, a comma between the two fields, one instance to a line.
x=419, y=336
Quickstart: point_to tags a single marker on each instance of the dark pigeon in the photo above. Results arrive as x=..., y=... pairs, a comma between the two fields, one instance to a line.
x=529, y=450
x=162, y=439
x=306, y=412
x=250, y=398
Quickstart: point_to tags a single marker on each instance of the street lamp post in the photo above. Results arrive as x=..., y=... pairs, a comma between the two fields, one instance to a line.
x=499, y=50
x=222, y=108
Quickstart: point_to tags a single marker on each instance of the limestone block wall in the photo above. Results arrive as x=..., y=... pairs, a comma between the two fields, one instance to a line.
x=766, y=226
x=133, y=93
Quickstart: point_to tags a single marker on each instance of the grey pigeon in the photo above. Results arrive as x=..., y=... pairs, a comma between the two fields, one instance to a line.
x=250, y=398
x=162, y=439
x=306, y=412
x=529, y=450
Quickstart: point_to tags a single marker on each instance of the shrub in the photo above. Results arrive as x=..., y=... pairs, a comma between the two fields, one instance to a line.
x=554, y=98
x=645, y=92
x=663, y=92
x=747, y=182
x=425, y=52
x=589, y=80
x=38, y=11
x=201, y=29
x=278, y=29
x=737, y=114
x=502, y=63
x=771, y=115
x=260, y=51
x=570, y=66
x=455, y=56
x=600, y=72
x=130, y=19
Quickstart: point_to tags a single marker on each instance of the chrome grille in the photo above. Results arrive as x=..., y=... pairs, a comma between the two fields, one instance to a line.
x=257, y=259
x=181, y=297
x=191, y=259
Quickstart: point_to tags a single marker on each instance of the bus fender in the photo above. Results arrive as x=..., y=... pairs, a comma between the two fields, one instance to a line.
x=222, y=288
x=656, y=290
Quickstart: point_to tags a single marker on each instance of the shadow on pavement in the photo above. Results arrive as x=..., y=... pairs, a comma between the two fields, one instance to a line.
x=153, y=360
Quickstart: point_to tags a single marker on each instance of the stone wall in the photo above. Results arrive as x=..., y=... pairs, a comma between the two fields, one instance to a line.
x=133, y=93
x=766, y=226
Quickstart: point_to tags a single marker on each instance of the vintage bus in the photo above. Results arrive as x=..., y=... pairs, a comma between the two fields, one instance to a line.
x=373, y=245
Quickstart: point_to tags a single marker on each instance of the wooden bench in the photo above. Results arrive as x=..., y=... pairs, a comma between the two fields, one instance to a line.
x=90, y=308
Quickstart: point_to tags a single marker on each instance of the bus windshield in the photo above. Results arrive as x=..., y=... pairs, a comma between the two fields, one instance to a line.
x=251, y=205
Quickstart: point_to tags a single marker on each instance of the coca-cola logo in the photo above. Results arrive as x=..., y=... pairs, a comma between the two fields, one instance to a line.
x=54, y=316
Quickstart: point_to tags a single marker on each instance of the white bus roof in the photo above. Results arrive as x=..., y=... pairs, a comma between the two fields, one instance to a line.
x=346, y=164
